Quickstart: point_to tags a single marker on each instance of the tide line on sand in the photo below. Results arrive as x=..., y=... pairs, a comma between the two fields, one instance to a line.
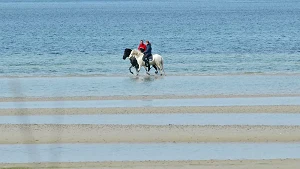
x=87, y=133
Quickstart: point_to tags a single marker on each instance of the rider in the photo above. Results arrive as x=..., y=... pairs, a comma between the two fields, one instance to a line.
x=142, y=47
x=147, y=54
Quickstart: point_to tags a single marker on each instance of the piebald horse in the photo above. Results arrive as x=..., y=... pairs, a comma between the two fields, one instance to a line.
x=136, y=59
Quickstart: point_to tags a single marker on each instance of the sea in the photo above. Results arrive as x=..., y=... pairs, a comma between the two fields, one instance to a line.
x=59, y=38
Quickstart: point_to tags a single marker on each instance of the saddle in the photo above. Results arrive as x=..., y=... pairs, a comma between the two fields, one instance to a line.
x=147, y=60
x=150, y=58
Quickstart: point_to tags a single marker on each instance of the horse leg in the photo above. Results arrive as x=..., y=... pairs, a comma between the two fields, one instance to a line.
x=137, y=71
x=162, y=72
x=155, y=69
x=147, y=71
x=139, y=68
x=130, y=69
x=161, y=68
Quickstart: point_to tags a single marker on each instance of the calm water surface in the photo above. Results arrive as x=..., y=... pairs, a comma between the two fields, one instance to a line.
x=144, y=85
x=88, y=37
x=160, y=119
x=17, y=153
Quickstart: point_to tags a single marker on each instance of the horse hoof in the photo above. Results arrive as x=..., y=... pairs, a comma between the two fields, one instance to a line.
x=156, y=72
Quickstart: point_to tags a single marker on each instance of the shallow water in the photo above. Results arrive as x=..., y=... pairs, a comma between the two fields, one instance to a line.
x=15, y=153
x=255, y=101
x=160, y=119
x=145, y=85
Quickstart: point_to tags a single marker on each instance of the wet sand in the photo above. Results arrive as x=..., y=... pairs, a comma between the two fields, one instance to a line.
x=205, y=164
x=139, y=97
x=87, y=133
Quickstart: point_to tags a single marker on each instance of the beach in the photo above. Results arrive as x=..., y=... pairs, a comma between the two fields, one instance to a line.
x=141, y=110
x=114, y=133
x=209, y=164
x=43, y=134
x=31, y=134
x=229, y=99
x=245, y=109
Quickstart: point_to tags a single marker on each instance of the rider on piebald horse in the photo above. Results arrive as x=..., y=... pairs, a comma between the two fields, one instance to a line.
x=136, y=59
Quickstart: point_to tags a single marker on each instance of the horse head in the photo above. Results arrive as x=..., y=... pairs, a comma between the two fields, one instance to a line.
x=126, y=53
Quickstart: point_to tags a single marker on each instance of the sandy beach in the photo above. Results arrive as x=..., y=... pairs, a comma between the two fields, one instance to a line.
x=115, y=133
x=205, y=164
x=144, y=110
x=86, y=133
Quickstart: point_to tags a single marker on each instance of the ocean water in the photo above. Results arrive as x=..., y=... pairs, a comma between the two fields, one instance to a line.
x=195, y=37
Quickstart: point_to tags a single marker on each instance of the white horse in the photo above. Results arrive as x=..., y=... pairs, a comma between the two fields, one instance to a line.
x=156, y=62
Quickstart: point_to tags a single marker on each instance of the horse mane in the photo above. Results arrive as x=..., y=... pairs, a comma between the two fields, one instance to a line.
x=136, y=53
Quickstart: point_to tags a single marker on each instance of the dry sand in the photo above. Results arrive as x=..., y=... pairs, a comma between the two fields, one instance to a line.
x=87, y=133
x=205, y=164
x=143, y=110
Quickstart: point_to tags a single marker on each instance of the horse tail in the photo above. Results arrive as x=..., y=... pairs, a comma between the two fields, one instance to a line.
x=162, y=63
x=159, y=63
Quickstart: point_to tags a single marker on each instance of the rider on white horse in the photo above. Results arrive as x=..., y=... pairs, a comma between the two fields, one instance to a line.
x=147, y=54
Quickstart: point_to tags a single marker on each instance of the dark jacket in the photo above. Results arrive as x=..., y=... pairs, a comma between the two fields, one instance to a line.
x=148, y=51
